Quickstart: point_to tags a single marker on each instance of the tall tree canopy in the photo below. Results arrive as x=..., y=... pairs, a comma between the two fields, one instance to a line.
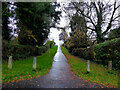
x=35, y=20
x=101, y=16
x=78, y=36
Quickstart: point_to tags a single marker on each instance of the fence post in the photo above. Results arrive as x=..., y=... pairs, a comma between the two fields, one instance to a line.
x=34, y=63
x=88, y=66
x=10, y=62
x=110, y=65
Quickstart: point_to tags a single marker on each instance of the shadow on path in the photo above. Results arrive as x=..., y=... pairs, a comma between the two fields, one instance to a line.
x=59, y=76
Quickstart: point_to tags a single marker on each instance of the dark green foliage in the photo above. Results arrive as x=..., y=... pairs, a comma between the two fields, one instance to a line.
x=108, y=51
x=45, y=47
x=78, y=23
x=101, y=53
x=78, y=40
x=35, y=19
x=22, y=51
x=85, y=53
x=42, y=49
x=115, y=33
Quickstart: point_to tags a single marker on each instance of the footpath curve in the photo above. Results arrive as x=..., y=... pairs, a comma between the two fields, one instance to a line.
x=59, y=76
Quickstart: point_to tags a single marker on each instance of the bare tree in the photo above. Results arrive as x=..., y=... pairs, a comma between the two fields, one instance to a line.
x=101, y=16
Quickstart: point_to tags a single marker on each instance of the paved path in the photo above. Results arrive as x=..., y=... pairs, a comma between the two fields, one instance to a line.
x=59, y=76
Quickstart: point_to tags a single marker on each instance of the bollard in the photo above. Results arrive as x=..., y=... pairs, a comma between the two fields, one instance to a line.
x=88, y=66
x=10, y=62
x=110, y=65
x=34, y=63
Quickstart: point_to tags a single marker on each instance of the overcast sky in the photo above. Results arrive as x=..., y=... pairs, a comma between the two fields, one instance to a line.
x=54, y=33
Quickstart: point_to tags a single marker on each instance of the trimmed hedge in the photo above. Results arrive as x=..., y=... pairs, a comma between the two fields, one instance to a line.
x=85, y=53
x=102, y=53
x=108, y=51
x=22, y=51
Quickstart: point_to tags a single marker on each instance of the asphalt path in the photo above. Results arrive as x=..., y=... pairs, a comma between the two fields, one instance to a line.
x=59, y=76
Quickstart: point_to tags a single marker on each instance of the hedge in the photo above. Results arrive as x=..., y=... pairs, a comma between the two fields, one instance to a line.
x=22, y=51
x=85, y=53
x=108, y=51
x=102, y=53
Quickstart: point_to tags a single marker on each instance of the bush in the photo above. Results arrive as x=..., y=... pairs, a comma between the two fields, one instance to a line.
x=101, y=53
x=108, y=51
x=115, y=33
x=22, y=51
x=42, y=49
x=77, y=40
x=86, y=53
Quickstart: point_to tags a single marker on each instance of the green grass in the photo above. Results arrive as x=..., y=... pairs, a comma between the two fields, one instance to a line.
x=23, y=69
x=98, y=73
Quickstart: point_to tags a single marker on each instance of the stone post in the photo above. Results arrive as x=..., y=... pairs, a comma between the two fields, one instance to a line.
x=88, y=66
x=34, y=63
x=10, y=62
x=110, y=65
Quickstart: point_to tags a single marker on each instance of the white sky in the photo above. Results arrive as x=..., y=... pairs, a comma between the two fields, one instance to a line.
x=54, y=33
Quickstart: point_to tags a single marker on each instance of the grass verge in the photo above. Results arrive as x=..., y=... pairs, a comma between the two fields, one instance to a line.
x=23, y=69
x=98, y=73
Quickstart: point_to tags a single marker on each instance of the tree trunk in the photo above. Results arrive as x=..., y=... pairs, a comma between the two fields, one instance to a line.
x=100, y=37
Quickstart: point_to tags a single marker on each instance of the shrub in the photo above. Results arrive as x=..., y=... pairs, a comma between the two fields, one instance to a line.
x=77, y=40
x=115, y=33
x=42, y=49
x=86, y=53
x=108, y=51
x=22, y=51
x=101, y=53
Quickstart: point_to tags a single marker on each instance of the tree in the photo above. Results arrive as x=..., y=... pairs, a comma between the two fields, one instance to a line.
x=78, y=40
x=78, y=23
x=78, y=37
x=100, y=16
x=63, y=35
x=35, y=20
x=5, y=16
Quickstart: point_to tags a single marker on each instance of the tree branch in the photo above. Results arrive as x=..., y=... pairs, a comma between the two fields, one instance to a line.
x=110, y=23
x=91, y=28
x=116, y=17
x=82, y=12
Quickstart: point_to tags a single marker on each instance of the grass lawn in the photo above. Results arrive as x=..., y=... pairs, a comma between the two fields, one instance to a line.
x=23, y=69
x=98, y=73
